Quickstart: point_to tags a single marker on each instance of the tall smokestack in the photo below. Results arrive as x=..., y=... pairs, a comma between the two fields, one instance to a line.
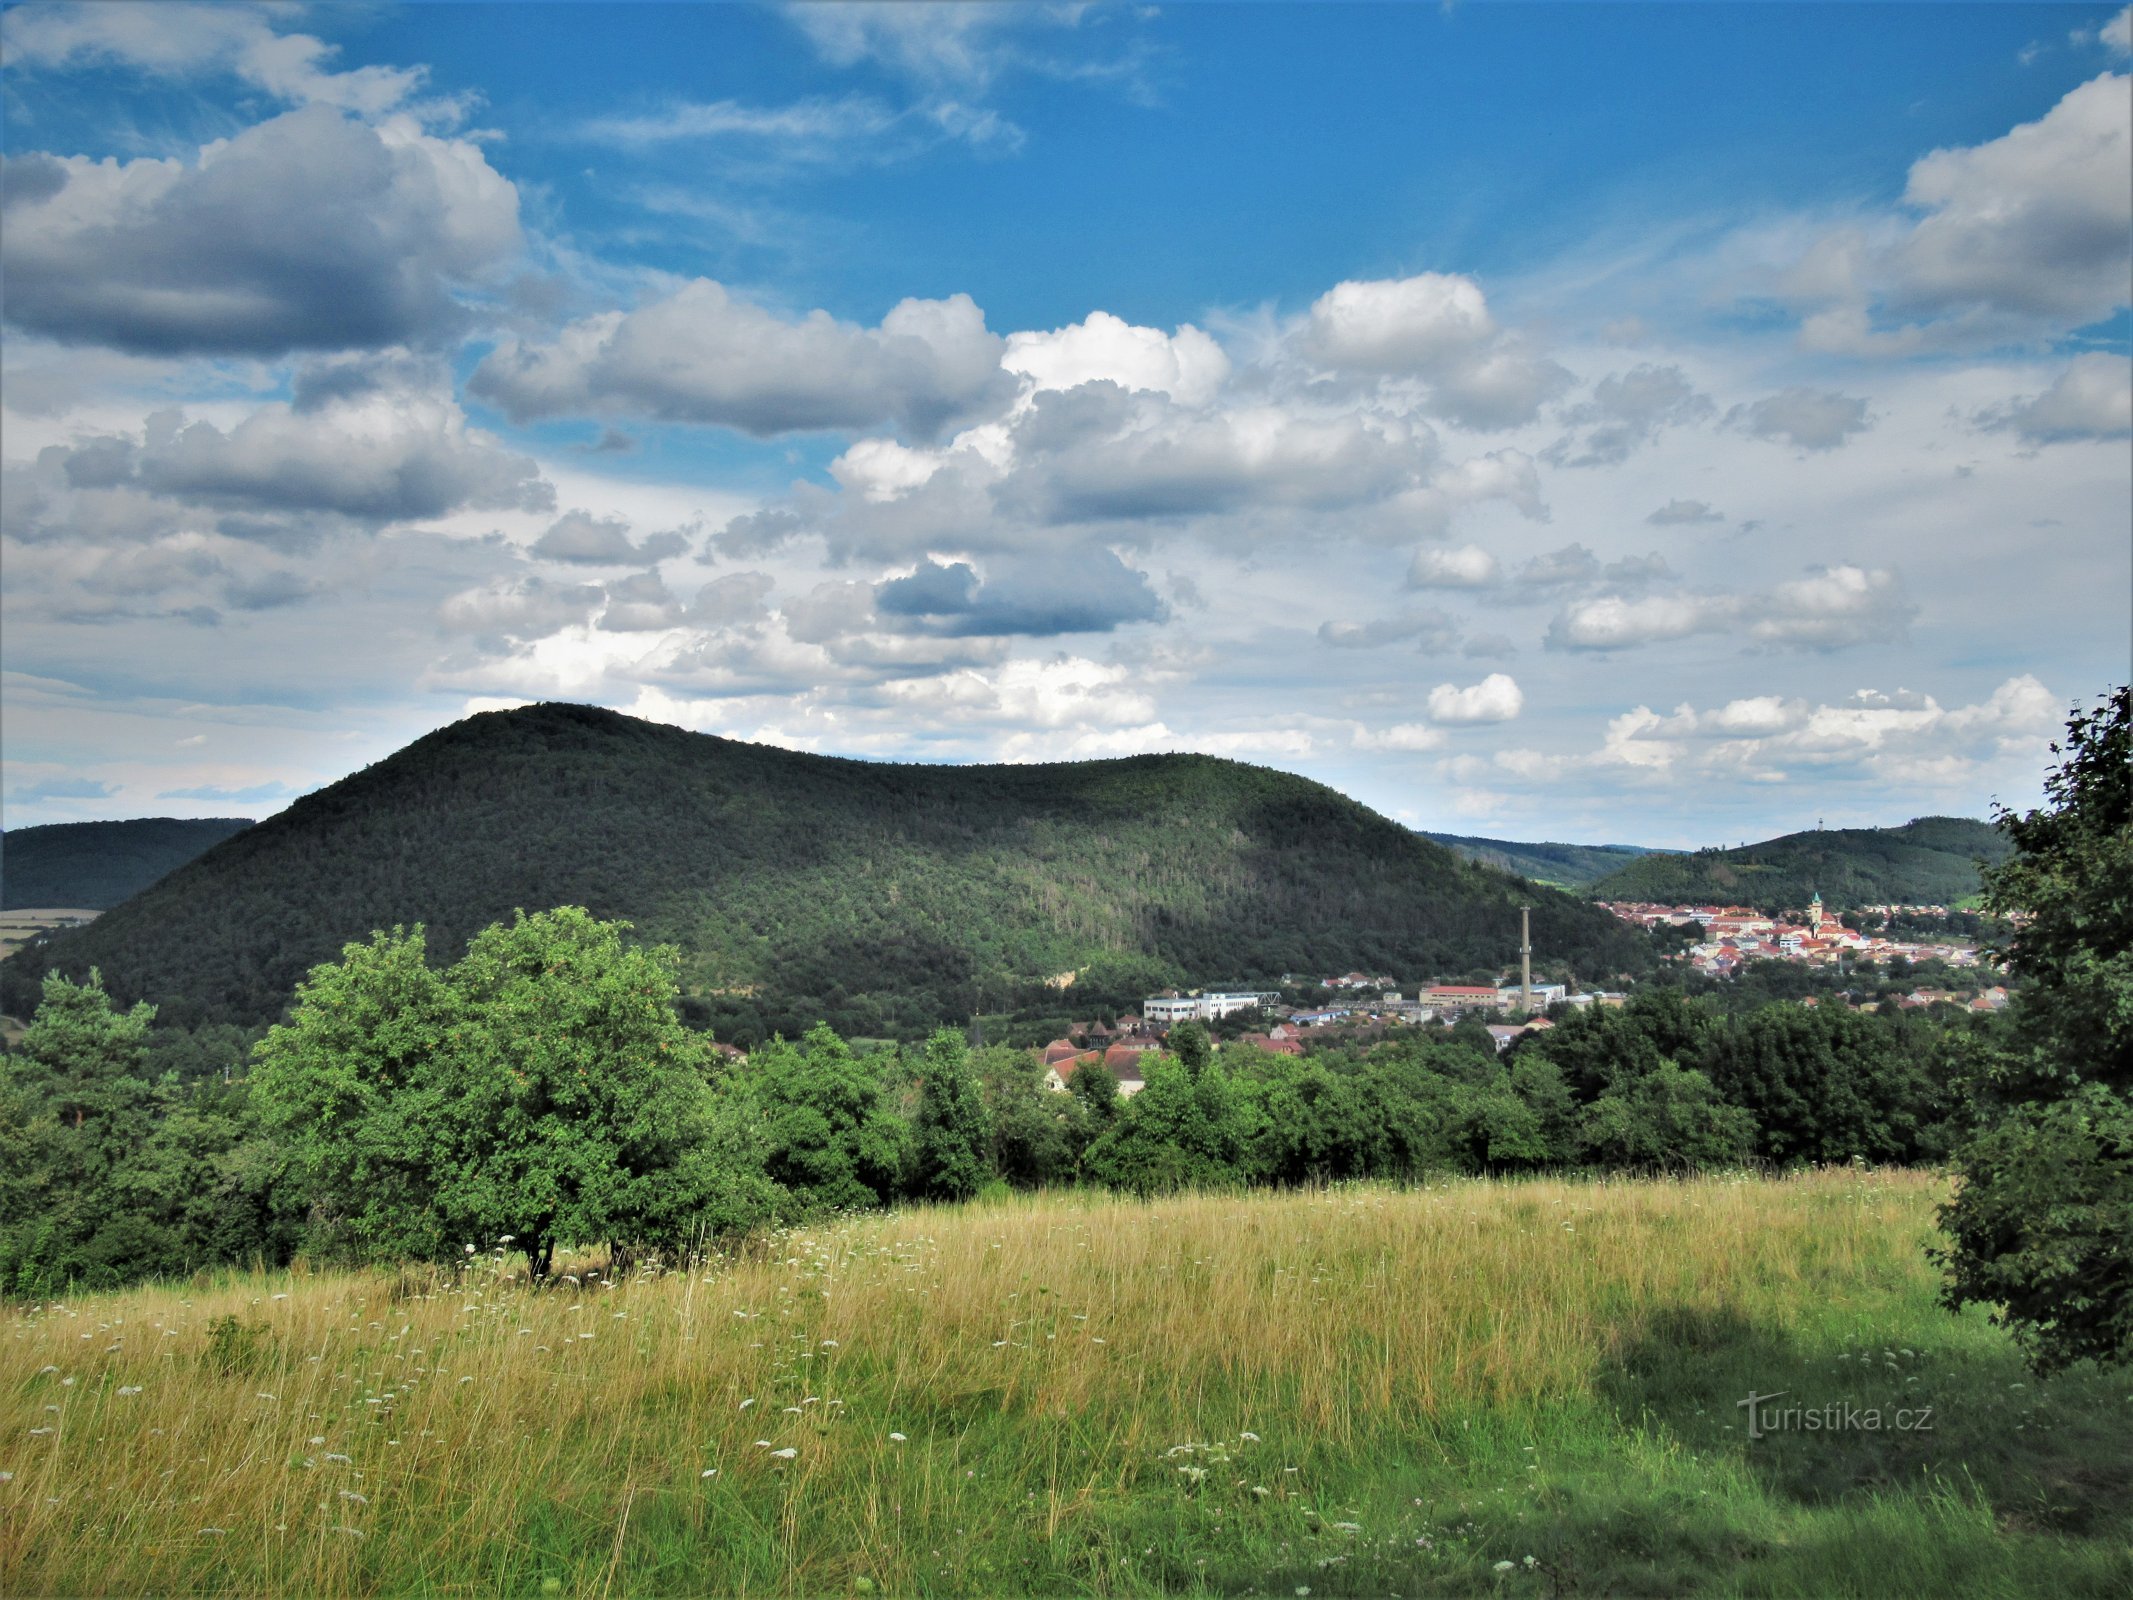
x=1525, y=959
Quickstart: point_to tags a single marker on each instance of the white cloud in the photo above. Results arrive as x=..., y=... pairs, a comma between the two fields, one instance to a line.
x=1829, y=608
x=1187, y=365
x=2023, y=236
x=1904, y=737
x=180, y=39
x=1404, y=736
x=1463, y=566
x=309, y=232
x=1435, y=329
x=1496, y=698
x=375, y=442
x=703, y=355
x=2091, y=399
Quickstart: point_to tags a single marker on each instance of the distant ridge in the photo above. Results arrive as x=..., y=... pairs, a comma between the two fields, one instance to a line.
x=880, y=897
x=95, y=865
x=1563, y=866
x=1927, y=861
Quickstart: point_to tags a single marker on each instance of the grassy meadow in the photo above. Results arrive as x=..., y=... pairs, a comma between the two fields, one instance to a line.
x=1522, y=1388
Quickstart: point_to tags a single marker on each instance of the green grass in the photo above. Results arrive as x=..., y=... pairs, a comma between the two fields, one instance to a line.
x=1439, y=1381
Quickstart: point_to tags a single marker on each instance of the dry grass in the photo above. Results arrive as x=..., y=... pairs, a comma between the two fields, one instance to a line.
x=734, y=1430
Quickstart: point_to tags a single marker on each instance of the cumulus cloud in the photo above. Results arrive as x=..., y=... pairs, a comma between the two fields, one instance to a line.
x=2026, y=235
x=376, y=452
x=1434, y=632
x=1627, y=410
x=1033, y=594
x=1903, y=737
x=1189, y=366
x=704, y=355
x=1464, y=566
x=1807, y=419
x=1684, y=513
x=1496, y=698
x=1435, y=329
x=309, y=232
x=1403, y=736
x=1829, y=608
x=579, y=536
x=1097, y=453
x=2091, y=399
x=527, y=607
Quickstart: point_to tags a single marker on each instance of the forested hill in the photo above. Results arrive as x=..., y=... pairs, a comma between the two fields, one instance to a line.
x=799, y=887
x=1928, y=861
x=95, y=865
x=1564, y=866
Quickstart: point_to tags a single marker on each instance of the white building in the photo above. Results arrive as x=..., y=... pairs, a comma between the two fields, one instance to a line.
x=1544, y=996
x=1169, y=1010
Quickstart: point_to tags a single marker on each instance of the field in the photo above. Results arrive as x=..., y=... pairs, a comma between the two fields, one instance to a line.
x=1517, y=1389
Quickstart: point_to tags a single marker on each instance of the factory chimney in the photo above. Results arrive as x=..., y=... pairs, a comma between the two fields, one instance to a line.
x=1525, y=959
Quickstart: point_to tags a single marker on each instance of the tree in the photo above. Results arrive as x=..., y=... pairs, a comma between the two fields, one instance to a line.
x=831, y=1139
x=542, y=1090
x=953, y=1132
x=1667, y=1117
x=2041, y=1227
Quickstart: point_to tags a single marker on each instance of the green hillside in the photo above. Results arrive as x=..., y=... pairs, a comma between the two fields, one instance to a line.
x=881, y=897
x=1563, y=866
x=95, y=865
x=1928, y=861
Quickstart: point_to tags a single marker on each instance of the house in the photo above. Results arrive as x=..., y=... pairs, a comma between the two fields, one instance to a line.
x=1290, y=1046
x=1058, y=1074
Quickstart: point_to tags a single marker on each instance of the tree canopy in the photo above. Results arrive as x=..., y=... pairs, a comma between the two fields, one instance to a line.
x=2041, y=1228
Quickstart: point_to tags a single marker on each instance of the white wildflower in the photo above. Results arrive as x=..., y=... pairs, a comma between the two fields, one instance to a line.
x=785, y=1454
x=1505, y=1566
x=130, y=1388
x=897, y=1438
x=1249, y=1438
x=745, y=1404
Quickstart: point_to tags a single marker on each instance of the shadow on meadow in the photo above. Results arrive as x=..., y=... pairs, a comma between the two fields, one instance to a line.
x=1849, y=1420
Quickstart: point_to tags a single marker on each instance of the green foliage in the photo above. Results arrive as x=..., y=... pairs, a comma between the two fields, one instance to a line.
x=831, y=1140
x=1179, y=1132
x=95, y=865
x=235, y=1347
x=1668, y=1118
x=952, y=1138
x=2042, y=1227
x=1561, y=866
x=884, y=899
x=542, y=1089
x=1928, y=861
x=106, y=1175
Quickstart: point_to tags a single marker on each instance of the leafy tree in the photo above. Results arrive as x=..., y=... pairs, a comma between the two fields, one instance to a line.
x=107, y=1176
x=1668, y=1117
x=953, y=1135
x=2042, y=1225
x=831, y=1140
x=1178, y=1132
x=1188, y=1041
x=541, y=1090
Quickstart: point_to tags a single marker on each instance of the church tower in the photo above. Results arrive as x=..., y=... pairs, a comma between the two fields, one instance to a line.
x=1814, y=914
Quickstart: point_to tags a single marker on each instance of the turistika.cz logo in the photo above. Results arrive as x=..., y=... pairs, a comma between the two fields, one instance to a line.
x=1836, y=1417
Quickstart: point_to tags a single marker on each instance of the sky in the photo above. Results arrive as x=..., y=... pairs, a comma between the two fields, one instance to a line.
x=1668, y=425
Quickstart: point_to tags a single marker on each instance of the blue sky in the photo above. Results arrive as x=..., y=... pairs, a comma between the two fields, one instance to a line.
x=1661, y=424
